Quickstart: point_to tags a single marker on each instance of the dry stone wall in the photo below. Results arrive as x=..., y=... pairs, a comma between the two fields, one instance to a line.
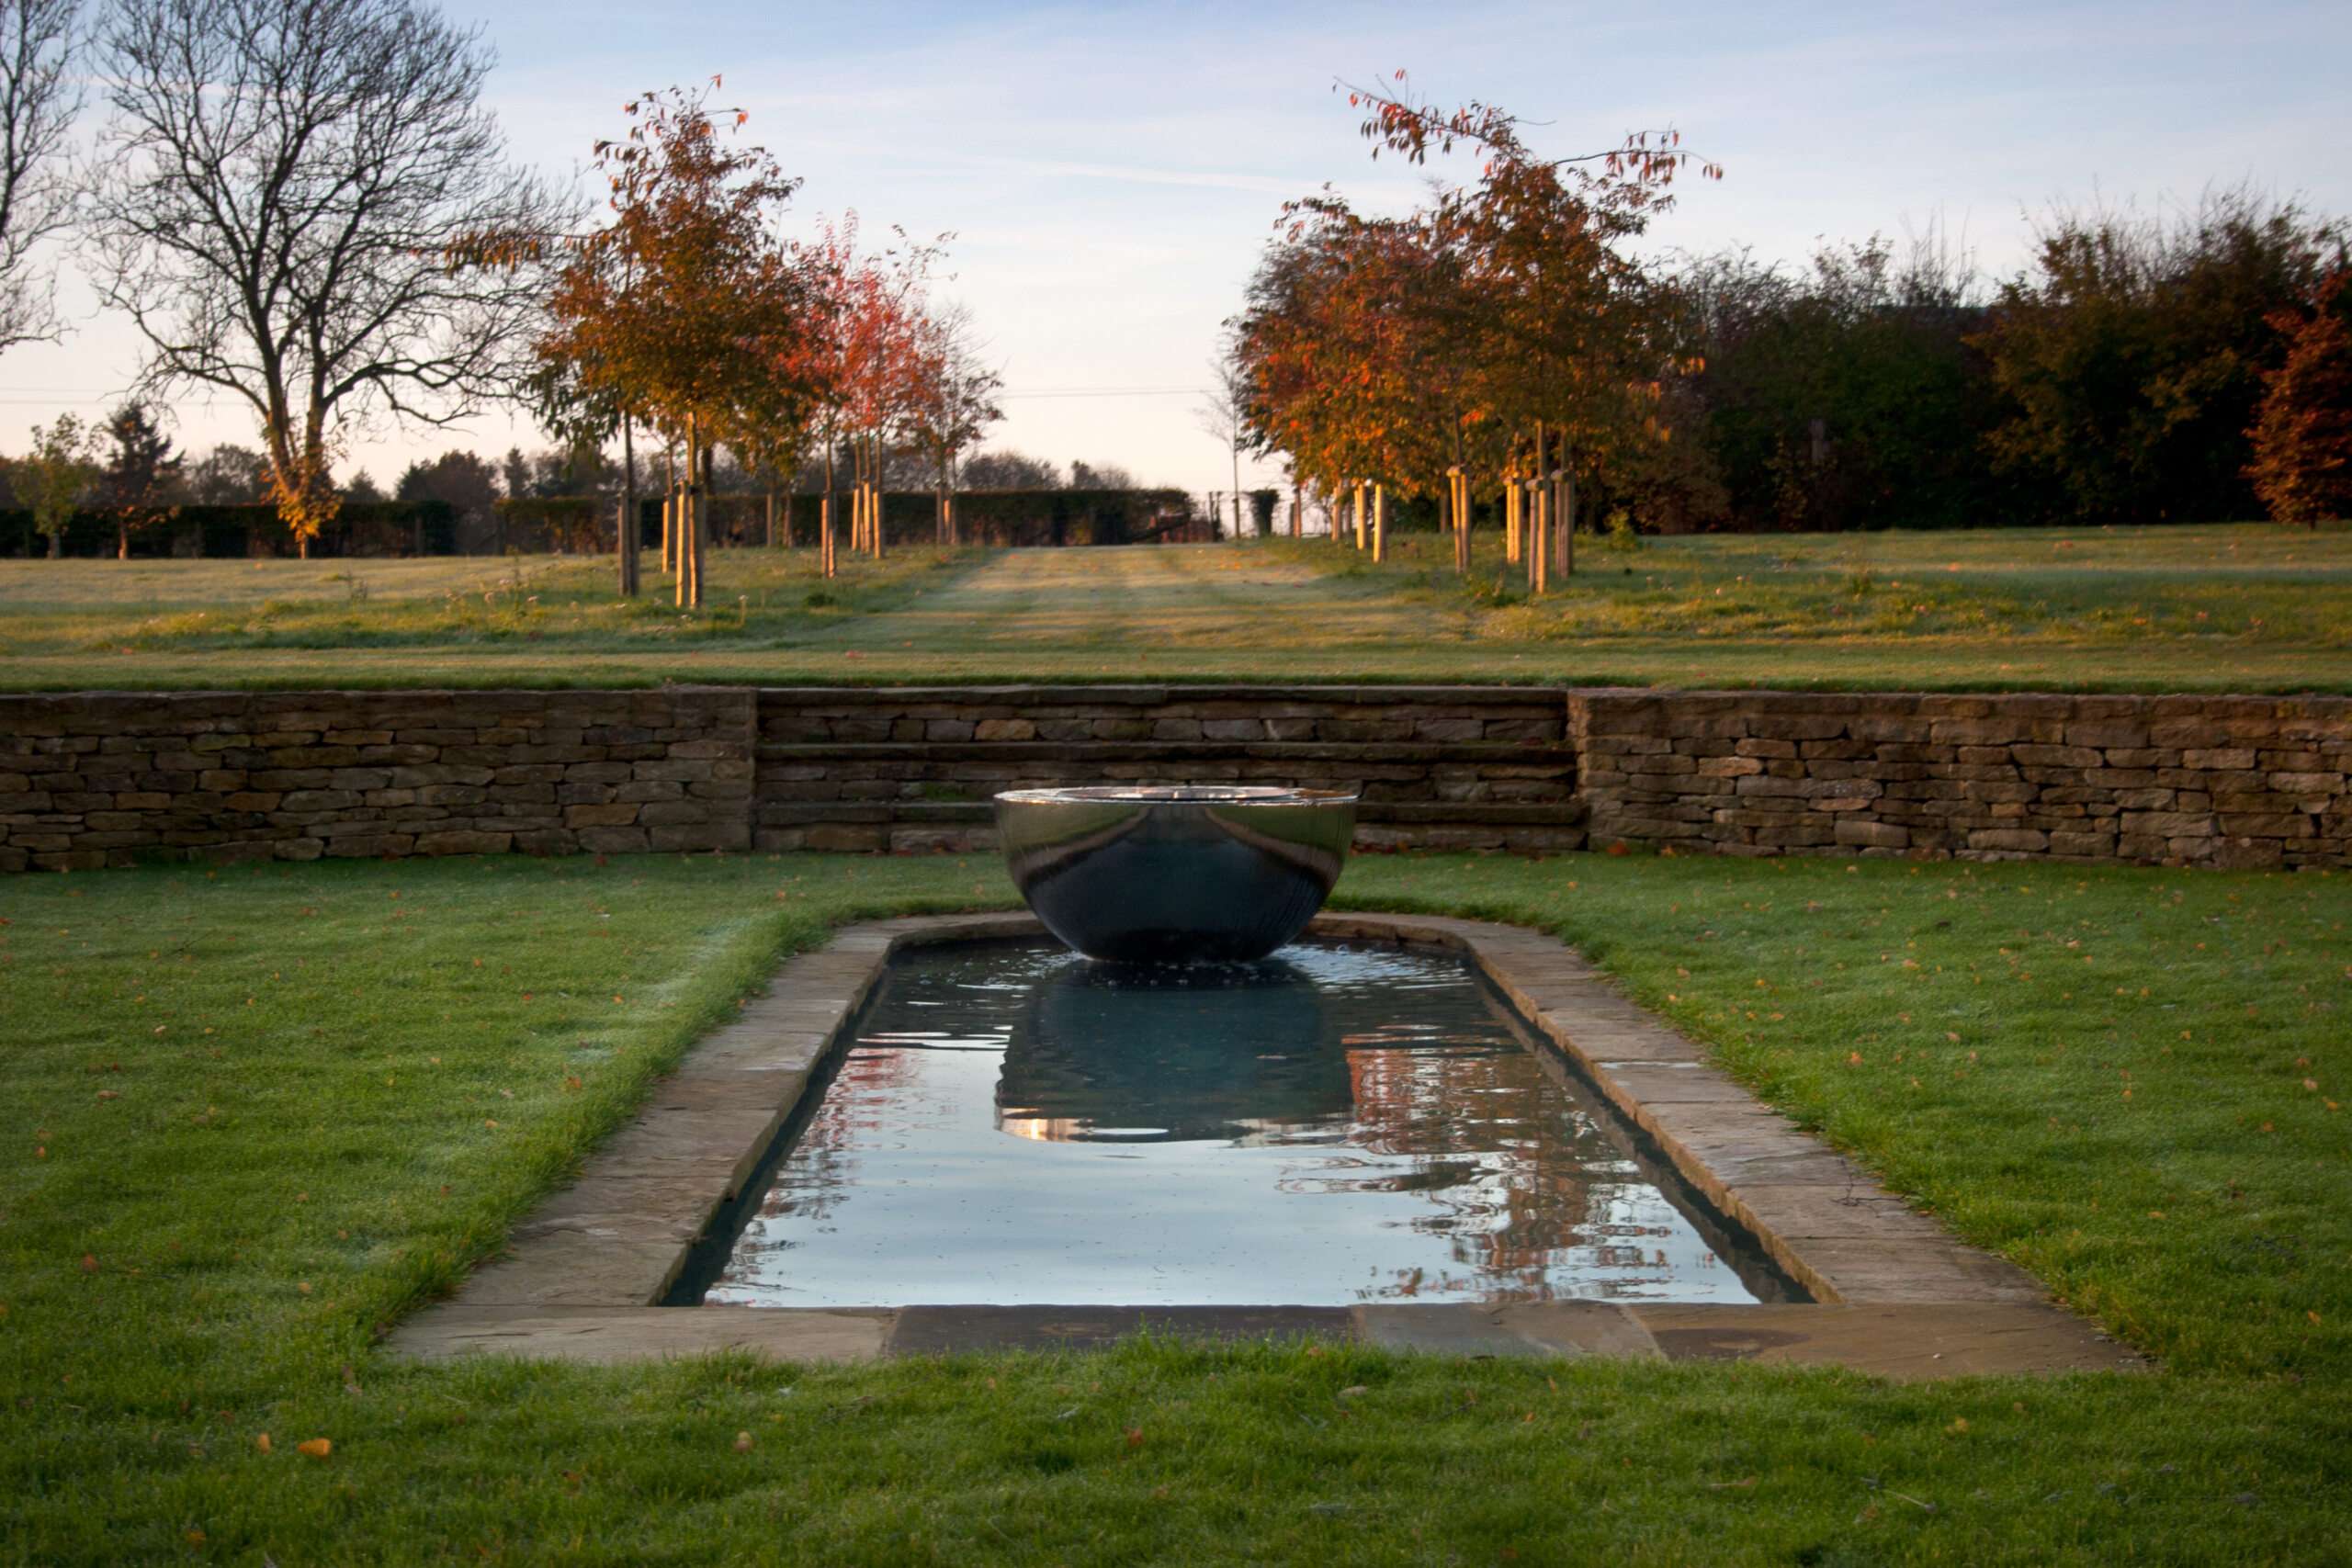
x=90, y=780
x=2203, y=781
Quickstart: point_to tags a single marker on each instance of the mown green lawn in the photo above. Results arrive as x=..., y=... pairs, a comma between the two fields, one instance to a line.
x=255, y=1115
x=2250, y=607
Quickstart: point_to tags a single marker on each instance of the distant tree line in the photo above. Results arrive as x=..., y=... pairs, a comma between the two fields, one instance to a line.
x=1501, y=352
x=2136, y=371
x=122, y=488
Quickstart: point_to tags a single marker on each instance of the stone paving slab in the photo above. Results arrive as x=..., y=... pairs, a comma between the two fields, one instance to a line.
x=1894, y=1293
x=941, y=1330
x=576, y=1269
x=1807, y=1212
x=1909, y=1343
x=1669, y=1083
x=1522, y=1329
x=609, y=1335
x=1937, y=1269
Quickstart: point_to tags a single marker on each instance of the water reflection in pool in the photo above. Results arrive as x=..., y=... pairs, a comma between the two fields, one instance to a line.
x=1337, y=1124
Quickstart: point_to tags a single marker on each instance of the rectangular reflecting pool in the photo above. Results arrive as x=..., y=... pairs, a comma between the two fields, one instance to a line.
x=1011, y=1125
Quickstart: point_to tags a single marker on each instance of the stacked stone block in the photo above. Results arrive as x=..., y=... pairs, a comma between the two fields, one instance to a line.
x=90, y=780
x=2174, y=780
x=913, y=768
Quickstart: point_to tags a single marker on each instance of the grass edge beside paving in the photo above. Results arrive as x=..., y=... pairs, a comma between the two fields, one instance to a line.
x=1201, y=1414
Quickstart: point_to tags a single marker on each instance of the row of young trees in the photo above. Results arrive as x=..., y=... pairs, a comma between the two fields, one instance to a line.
x=691, y=313
x=303, y=206
x=1503, y=349
x=1487, y=347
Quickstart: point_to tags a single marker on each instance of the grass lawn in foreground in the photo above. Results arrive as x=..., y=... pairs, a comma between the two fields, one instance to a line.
x=254, y=1115
x=2252, y=608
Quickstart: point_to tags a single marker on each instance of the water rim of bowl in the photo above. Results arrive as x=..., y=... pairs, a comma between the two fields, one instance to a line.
x=1178, y=794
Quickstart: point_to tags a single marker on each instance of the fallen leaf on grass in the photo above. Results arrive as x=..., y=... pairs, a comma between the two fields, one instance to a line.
x=262, y=1443
x=315, y=1448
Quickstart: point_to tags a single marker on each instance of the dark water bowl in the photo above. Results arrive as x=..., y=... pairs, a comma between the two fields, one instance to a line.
x=1161, y=1052
x=1170, y=874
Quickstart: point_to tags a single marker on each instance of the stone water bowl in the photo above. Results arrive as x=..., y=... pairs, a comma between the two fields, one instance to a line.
x=1173, y=873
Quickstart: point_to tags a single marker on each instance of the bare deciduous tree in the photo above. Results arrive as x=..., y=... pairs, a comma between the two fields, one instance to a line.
x=959, y=401
x=1224, y=412
x=39, y=99
x=274, y=204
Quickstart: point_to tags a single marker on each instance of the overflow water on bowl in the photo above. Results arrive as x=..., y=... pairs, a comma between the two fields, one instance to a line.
x=1014, y=1124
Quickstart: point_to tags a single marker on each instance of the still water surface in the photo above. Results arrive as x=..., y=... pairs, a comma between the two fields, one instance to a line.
x=1337, y=1124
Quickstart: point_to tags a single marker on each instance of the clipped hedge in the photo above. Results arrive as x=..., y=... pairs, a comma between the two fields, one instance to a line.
x=361, y=528
x=984, y=516
x=582, y=523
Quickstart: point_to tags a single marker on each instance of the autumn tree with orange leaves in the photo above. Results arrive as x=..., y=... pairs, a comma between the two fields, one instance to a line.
x=1488, y=345
x=687, y=310
x=2302, y=435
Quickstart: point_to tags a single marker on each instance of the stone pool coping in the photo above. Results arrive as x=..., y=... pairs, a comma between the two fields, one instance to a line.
x=1895, y=1294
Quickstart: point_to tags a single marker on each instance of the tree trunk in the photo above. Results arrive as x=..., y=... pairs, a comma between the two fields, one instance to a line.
x=698, y=518
x=1461, y=522
x=625, y=537
x=857, y=496
x=669, y=507
x=1461, y=505
x=1539, y=543
x=1236, y=490
x=685, y=532
x=828, y=515
x=1568, y=518
x=955, y=522
x=122, y=536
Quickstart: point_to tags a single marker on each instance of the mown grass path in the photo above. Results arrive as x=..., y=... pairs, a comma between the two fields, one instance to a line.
x=1146, y=612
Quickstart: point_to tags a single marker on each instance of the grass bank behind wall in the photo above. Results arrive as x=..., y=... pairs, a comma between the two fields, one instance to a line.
x=2210, y=609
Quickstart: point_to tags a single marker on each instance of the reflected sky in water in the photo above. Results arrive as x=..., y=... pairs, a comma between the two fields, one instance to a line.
x=1017, y=1125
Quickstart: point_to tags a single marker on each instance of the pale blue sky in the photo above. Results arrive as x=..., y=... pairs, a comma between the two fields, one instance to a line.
x=1110, y=171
